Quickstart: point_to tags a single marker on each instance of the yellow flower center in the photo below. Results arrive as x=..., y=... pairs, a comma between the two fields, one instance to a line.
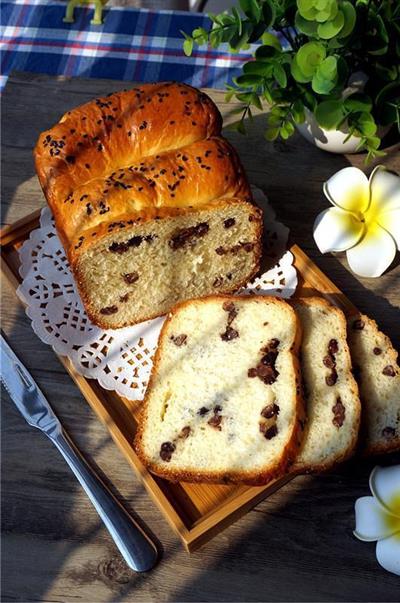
x=393, y=521
x=370, y=216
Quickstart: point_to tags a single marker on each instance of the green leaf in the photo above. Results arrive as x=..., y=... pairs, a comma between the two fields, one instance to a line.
x=266, y=52
x=251, y=9
x=239, y=41
x=244, y=97
x=358, y=102
x=307, y=27
x=230, y=94
x=377, y=37
x=361, y=145
x=309, y=57
x=366, y=125
x=268, y=13
x=298, y=74
x=247, y=80
x=309, y=99
x=297, y=112
x=388, y=102
x=257, y=31
x=327, y=69
x=329, y=113
x=333, y=9
x=321, y=85
x=271, y=134
x=255, y=100
x=227, y=19
x=267, y=95
x=388, y=74
x=268, y=39
x=350, y=17
x=216, y=37
x=306, y=9
x=188, y=46
x=227, y=34
x=329, y=29
x=374, y=142
x=238, y=19
x=335, y=43
x=280, y=75
x=289, y=128
x=274, y=120
x=326, y=12
x=389, y=113
x=283, y=133
x=259, y=68
x=379, y=51
x=200, y=35
x=326, y=76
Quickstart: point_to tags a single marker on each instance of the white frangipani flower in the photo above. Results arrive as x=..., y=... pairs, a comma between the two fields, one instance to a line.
x=378, y=516
x=364, y=220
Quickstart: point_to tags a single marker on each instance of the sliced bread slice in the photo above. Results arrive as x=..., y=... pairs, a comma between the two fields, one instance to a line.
x=330, y=391
x=378, y=375
x=223, y=403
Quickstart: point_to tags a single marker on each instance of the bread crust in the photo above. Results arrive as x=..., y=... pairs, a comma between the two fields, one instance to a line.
x=128, y=125
x=135, y=154
x=365, y=448
x=193, y=175
x=147, y=216
x=350, y=450
x=255, y=478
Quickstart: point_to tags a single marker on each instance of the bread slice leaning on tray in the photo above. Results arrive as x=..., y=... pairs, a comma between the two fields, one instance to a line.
x=150, y=202
x=330, y=390
x=223, y=402
x=378, y=374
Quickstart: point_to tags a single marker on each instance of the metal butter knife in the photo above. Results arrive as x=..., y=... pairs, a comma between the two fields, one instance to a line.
x=138, y=550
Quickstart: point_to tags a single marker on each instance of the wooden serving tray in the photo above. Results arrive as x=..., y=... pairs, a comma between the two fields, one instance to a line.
x=197, y=512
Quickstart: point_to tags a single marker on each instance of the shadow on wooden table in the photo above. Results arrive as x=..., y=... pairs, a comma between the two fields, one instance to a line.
x=314, y=557
x=297, y=545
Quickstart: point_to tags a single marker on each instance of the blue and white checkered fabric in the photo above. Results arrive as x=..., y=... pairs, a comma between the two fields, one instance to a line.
x=133, y=45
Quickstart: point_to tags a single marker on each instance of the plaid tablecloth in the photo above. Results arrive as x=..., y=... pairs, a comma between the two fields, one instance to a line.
x=133, y=45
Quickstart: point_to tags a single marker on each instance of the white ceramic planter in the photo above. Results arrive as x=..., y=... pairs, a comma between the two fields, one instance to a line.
x=328, y=140
x=333, y=140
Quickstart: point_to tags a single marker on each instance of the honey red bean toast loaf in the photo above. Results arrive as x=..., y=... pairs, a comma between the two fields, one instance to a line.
x=378, y=375
x=223, y=402
x=330, y=390
x=151, y=204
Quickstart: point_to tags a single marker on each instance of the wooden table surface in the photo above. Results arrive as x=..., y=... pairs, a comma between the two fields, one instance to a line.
x=295, y=546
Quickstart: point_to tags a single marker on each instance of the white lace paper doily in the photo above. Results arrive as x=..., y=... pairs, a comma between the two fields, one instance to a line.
x=119, y=359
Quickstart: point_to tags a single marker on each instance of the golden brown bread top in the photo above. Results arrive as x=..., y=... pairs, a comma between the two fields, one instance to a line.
x=113, y=131
x=155, y=145
x=199, y=173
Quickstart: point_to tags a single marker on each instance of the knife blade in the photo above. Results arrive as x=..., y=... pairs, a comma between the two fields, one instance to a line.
x=137, y=548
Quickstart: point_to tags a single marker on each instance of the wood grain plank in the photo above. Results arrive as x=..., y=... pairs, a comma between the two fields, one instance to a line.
x=296, y=546
x=197, y=512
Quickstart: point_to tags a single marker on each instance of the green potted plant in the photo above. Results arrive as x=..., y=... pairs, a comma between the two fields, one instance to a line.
x=331, y=68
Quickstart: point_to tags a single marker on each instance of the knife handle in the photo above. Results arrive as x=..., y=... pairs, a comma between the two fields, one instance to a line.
x=138, y=550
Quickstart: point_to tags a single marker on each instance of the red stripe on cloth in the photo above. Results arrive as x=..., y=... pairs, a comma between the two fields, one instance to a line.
x=74, y=59
x=10, y=44
x=21, y=16
x=147, y=29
